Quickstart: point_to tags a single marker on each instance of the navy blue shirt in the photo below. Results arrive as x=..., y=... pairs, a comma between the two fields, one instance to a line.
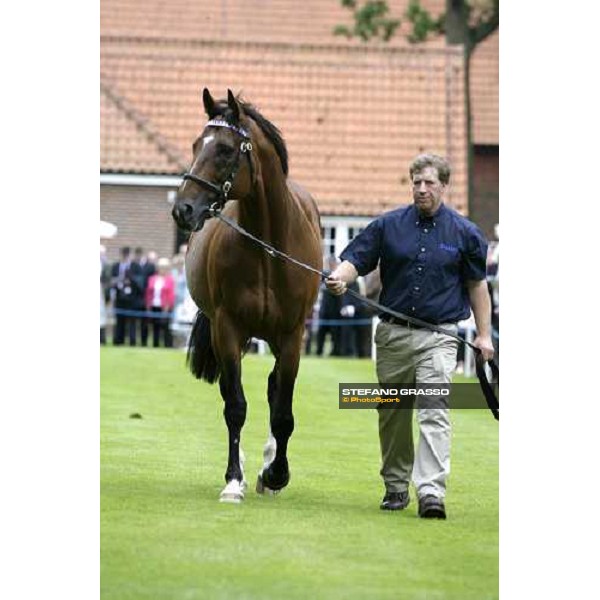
x=425, y=262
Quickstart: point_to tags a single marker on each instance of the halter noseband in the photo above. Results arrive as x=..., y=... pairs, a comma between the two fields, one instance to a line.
x=223, y=190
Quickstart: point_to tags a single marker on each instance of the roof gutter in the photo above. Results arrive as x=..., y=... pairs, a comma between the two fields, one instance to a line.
x=140, y=180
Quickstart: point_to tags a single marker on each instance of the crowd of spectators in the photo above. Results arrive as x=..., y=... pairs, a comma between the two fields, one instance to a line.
x=141, y=292
x=145, y=293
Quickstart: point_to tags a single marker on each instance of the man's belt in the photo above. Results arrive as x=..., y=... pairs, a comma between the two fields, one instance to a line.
x=397, y=321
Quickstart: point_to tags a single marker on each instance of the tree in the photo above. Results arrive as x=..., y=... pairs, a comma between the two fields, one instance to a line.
x=464, y=22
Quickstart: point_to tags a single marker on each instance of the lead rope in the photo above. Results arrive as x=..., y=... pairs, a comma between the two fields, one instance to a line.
x=486, y=385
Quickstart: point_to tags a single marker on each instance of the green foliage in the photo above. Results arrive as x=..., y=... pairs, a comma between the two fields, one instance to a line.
x=342, y=30
x=370, y=21
x=164, y=533
x=477, y=18
x=423, y=23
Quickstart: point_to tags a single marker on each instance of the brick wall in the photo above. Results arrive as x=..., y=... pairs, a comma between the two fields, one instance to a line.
x=485, y=206
x=143, y=217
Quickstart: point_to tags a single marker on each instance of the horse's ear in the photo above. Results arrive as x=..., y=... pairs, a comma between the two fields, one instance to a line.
x=233, y=105
x=209, y=103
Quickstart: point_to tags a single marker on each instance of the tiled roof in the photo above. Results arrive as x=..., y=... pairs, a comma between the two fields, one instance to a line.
x=288, y=21
x=353, y=115
x=128, y=142
x=352, y=118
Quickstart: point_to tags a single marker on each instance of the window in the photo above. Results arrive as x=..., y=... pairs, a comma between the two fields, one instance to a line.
x=328, y=236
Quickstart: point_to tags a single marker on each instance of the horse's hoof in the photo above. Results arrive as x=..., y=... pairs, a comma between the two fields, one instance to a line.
x=266, y=482
x=233, y=492
x=262, y=489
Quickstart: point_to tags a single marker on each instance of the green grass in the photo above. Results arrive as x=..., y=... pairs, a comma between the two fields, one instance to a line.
x=165, y=535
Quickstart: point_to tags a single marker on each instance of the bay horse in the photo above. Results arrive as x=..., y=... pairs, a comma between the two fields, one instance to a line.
x=242, y=292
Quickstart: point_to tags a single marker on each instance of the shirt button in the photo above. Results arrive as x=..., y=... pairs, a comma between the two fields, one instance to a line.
x=422, y=249
x=426, y=230
x=416, y=288
x=412, y=308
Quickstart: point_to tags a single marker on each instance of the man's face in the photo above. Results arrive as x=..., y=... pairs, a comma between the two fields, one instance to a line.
x=427, y=190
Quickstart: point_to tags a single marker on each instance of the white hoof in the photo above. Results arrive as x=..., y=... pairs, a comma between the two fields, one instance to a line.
x=233, y=492
x=262, y=489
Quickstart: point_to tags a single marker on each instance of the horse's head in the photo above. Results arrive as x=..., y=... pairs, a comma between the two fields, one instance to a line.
x=222, y=164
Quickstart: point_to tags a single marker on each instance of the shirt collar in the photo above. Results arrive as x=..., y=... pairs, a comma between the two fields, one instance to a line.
x=437, y=215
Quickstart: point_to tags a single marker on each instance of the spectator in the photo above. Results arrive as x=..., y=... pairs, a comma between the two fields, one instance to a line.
x=104, y=279
x=127, y=282
x=178, y=272
x=160, y=298
x=329, y=311
x=148, y=267
x=312, y=327
x=351, y=334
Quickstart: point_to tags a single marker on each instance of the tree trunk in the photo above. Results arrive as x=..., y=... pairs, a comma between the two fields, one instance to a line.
x=458, y=33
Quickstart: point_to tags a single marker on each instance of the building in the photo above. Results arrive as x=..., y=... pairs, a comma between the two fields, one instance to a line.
x=352, y=115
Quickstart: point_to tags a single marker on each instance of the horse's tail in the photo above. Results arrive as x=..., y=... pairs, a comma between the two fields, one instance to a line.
x=201, y=358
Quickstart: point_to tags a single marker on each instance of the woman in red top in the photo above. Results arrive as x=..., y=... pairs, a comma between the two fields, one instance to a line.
x=160, y=299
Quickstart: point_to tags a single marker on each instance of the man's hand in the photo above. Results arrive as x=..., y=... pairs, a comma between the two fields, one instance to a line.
x=337, y=282
x=335, y=285
x=484, y=343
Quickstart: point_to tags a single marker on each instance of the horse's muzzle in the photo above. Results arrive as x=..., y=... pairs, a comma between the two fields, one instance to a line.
x=187, y=218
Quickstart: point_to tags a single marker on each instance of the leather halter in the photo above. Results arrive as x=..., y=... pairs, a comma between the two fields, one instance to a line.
x=222, y=191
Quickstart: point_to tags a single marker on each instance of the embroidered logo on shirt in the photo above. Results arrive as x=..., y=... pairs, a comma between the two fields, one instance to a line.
x=448, y=248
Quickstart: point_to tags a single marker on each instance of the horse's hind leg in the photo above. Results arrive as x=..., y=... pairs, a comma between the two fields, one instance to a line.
x=276, y=476
x=230, y=384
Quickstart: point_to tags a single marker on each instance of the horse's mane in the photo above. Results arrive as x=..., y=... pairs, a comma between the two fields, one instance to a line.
x=271, y=132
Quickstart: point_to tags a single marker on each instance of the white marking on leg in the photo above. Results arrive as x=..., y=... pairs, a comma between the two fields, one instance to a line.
x=269, y=451
x=207, y=140
x=268, y=457
x=233, y=492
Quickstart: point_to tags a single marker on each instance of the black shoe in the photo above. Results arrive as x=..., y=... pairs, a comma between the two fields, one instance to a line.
x=395, y=501
x=431, y=507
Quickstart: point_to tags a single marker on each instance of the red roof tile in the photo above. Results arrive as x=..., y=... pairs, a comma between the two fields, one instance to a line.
x=353, y=114
x=288, y=21
x=352, y=118
x=128, y=142
x=291, y=22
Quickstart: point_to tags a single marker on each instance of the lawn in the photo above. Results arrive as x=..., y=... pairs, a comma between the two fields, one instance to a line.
x=164, y=533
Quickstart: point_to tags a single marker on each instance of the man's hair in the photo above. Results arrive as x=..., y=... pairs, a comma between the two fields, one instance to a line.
x=431, y=160
x=125, y=251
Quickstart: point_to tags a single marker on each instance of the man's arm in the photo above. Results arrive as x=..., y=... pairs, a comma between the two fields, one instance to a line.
x=482, y=310
x=345, y=273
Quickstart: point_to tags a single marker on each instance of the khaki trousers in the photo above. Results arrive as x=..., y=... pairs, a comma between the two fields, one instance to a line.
x=414, y=356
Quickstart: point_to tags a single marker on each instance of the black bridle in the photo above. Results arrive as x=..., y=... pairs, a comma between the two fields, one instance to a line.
x=222, y=190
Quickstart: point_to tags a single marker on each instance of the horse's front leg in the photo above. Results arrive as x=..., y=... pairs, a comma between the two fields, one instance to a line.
x=276, y=476
x=228, y=347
